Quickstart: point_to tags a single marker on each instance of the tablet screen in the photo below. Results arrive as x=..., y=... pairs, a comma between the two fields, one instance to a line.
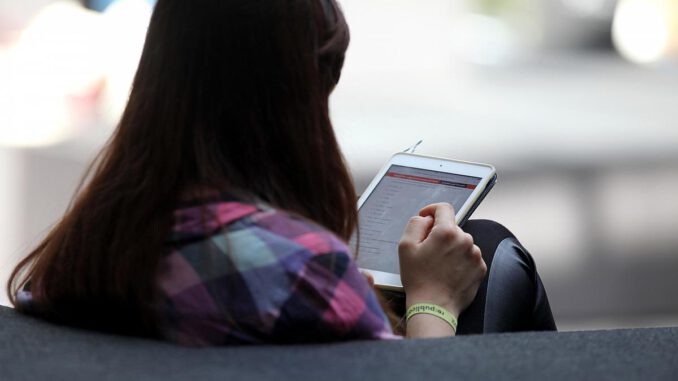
x=400, y=194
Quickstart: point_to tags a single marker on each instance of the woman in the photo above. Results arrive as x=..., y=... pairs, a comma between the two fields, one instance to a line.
x=220, y=210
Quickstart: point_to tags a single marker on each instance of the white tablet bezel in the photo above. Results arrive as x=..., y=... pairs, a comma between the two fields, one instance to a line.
x=483, y=171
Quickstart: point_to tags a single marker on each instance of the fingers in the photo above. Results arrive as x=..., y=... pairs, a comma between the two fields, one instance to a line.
x=442, y=213
x=369, y=277
x=445, y=231
x=416, y=230
x=477, y=255
x=466, y=241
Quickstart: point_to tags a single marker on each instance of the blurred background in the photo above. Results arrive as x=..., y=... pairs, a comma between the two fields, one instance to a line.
x=574, y=102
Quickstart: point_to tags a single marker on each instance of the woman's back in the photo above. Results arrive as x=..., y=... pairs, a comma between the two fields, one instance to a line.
x=239, y=272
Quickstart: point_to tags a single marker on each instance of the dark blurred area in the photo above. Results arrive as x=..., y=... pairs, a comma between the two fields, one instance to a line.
x=573, y=101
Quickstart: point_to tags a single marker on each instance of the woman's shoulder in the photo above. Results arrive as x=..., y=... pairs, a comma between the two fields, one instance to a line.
x=247, y=222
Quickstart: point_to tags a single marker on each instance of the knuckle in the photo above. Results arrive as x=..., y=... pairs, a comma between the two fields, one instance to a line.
x=477, y=252
x=405, y=246
x=482, y=273
x=446, y=233
x=483, y=268
x=445, y=206
x=467, y=241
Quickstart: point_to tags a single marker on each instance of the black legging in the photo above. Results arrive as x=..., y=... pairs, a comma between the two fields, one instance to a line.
x=511, y=298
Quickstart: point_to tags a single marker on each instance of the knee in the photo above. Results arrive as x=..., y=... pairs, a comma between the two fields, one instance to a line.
x=483, y=230
x=494, y=239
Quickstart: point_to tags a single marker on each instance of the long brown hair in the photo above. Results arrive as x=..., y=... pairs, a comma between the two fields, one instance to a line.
x=228, y=95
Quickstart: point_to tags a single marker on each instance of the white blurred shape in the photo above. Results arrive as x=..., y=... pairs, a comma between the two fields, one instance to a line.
x=484, y=40
x=61, y=57
x=641, y=30
x=126, y=23
x=399, y=36
x=57, y=58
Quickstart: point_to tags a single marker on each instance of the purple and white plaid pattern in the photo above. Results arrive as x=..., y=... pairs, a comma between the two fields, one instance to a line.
x=239, y=273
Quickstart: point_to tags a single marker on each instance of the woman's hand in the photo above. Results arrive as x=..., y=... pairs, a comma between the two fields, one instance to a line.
x=369, y=278
x=439, y=264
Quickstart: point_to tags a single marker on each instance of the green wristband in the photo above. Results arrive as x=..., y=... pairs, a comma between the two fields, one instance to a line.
x=432, y=309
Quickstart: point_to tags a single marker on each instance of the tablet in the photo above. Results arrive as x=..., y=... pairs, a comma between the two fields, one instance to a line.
x=405, y=185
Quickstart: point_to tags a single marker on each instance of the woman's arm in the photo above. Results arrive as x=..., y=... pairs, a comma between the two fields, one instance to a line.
x=439, y=264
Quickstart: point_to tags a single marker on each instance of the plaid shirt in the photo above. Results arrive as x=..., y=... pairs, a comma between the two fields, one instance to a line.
x=242, y=273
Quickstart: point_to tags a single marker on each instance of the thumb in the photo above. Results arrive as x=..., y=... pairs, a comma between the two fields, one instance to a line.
x=369, y=277
x=442, y=212
x=417, y=229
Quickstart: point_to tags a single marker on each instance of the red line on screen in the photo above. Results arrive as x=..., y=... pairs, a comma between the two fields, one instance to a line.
x=414, y=178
